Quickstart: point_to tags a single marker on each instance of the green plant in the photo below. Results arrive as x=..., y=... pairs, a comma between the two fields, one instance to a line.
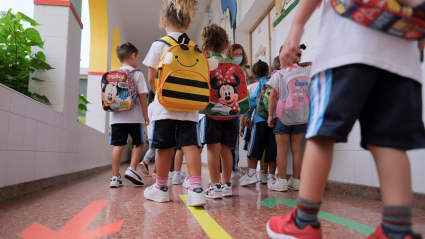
x=17, y=61
x=81, y=119
x=82, y=108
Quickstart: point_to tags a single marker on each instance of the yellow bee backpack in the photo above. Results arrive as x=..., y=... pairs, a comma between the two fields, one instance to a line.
x=183, y=76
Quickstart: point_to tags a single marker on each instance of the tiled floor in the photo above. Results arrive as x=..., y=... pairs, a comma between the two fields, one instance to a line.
x=242, y=216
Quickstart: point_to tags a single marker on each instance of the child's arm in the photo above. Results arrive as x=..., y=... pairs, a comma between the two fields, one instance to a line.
x=289, y=54
x=241, y=125
x=151, y=78
x=144, y=104
x=272, y=107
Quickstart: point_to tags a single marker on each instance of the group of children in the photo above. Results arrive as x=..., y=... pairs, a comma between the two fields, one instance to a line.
x=348, y=83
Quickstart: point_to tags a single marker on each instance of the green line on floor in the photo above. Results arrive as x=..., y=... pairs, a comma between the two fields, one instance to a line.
x=210, y=226
x=271, y=202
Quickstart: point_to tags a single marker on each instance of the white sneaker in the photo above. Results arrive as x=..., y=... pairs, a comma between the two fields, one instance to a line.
x=144, y=167
x=214, y=191
x=157, y=194
x=186, y=183
x=270, y=181
x=226, y=190
x=249, y=180
x=178, y=178
x=280, y=185
x=116, y=182
x=263, y=178
x=133, y=176
x=196, y=197
x=170, y=175
x=243, y=177
x=294, y=184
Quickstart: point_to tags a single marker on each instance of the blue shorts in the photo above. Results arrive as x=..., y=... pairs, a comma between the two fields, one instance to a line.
x=388, y=106
x=280, y=128
x=262, y=138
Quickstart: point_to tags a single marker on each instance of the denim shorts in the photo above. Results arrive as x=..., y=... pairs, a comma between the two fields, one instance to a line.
x=280, y=128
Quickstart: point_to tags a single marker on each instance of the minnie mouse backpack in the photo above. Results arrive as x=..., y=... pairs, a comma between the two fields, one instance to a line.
x=119, y=91
x=228, y=94
x=293, y=105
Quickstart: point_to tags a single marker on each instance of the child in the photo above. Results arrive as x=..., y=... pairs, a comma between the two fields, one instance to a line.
x=220, y=135
x=175, y=18
x=377, y=81
x=151, y=153
x=129, y=122
x=284, y=133
x=262, y=138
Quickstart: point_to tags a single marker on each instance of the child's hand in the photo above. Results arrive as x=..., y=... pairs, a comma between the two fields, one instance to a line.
x=270, y=122
x=241, y=129
x=147, y=121
x=247, y=122
x=290, y=51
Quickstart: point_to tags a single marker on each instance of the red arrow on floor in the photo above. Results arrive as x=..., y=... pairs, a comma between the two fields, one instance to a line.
x=76, y=228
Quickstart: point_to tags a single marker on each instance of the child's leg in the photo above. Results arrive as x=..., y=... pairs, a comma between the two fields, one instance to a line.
x=150, y=154
x=173, y=158
x=272, y=168
x=178, y=160
x=282, y=151
x=297, y=155
x=226, y=162
x=194, y=166
x=214, y=162
x=116, y=159
x=264, y=164
x=163, y=164
x=136, y=155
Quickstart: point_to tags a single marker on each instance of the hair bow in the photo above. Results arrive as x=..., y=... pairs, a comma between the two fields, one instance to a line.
x=228, y=78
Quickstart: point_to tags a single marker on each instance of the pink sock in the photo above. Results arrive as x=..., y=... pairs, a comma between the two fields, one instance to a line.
x=195, y=182
x=161, y=181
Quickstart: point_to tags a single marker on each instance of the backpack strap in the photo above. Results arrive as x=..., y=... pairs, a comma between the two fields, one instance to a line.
x=183, y=39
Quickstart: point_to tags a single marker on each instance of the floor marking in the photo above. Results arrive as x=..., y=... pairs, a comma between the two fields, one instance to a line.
x=210, y=226
x=76, y=228
x=272, y=202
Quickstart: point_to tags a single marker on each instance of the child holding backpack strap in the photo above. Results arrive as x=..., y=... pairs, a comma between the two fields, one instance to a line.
x=377, y=81
x=174, y=128
x=220, y=136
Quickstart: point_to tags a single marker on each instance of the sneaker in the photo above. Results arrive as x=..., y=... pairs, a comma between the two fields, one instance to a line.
x=284, y=228
x=196, y=197
x=293, y=184
x=170, y=175
x=270, y=181
x=379, y=234
x=186, y=183
x=243, y=177
x=157, y=194
x=133, y=176
x=154, y=173
x=116, y=182
x=144, y=167
x=214, y=191
x=249, y=180
x=280, y=185
x=226, y=190
x=263, y=178
x=178, y=178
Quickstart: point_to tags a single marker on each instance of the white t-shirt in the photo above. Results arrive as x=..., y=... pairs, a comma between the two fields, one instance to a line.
x=251, y=88
x=150, y=126
x=134, y=115
x=152, y=59
x=341, y=41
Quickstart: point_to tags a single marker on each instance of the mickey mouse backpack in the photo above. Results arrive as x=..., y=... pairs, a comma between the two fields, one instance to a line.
x=119, y=91
x=182, y=80
x=229, y=94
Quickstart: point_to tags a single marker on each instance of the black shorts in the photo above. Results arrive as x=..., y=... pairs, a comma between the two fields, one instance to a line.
x=388, y=106
x=262, y=138
x=280, y=128
x=168, y=134
x=120, y=132
x=221, y=131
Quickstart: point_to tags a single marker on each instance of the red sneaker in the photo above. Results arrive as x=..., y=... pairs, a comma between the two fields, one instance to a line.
x=379, y=234
x=285, y=228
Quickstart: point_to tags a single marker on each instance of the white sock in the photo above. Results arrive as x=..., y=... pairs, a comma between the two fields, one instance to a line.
x=251, y=172
x=270, y=176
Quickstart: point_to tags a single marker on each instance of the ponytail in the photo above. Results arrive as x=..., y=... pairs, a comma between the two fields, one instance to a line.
x=260, y=69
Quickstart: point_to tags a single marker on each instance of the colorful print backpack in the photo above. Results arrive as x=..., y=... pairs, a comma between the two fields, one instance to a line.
x=263, y=99
x=119, y=91
x=183, y=76
x=229, y=93
x=385, y=15
x=293, y=105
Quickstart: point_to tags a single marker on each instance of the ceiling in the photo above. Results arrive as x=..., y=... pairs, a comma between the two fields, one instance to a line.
x=138, y=22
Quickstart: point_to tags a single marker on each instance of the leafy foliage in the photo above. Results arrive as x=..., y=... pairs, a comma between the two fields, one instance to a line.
x=17, y=61
x=82, y=108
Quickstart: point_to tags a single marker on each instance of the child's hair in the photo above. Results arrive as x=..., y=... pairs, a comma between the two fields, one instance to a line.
x=179, y=13
x=125, y=50
x=276, y=63
x=233, y=48
x=214, y=38
x=151, y=97
x=250, y=80
x=260, y=69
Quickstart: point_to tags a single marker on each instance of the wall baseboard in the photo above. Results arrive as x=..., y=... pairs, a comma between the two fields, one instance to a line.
x=18, y=190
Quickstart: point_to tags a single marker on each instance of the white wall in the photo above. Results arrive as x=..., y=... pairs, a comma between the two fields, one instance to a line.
x=24, y=6
x=85, y=35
